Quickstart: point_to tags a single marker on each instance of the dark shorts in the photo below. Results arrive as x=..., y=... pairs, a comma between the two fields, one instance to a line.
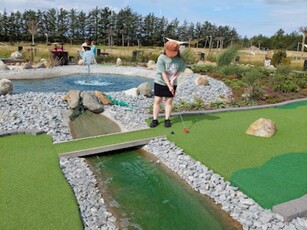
x=162, y=90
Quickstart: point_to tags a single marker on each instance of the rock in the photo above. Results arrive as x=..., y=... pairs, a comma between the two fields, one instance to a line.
x=188, y=71
x=4, y=66
x=102, y=98
x=201, y=80
x=200, y=63
x=27, y=65
x=16, y=55
x=91, y=102
x=6, y=87
x=210, y=63
x=151, y=64
x=134, y=92
x=72, y=98
x=118, y=62
x=47, y=64
x=144, y=89
x=39, y=66
x=262, y=128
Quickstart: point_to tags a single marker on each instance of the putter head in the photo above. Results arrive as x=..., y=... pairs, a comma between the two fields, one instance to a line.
x=185, y=130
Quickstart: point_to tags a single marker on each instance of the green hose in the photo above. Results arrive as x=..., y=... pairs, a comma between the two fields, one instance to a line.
x=116, y=102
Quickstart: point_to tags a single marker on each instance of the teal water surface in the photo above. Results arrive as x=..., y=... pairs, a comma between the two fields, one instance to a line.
x=149, y=197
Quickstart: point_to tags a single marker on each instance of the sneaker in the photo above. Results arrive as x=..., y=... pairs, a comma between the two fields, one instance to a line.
x=154, y=123
x=167, y=123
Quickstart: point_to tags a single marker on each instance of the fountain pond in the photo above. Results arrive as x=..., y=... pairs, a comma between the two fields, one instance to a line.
x=145, y=195
x=85, y=82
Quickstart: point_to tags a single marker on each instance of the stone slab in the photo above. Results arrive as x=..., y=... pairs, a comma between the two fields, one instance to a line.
x=108, y=148
x=292, y=209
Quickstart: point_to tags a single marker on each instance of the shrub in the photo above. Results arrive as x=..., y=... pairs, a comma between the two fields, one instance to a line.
x=283, y=83
x=211, y=57
x=233, y=70
x=227, y=56
x=188, y=56
x=279, y=57
x=203, y=68
x=300, y=79
x=283, y=69
x=198, y=104
x=252, y=82
x=233, y=83
x=266, y=71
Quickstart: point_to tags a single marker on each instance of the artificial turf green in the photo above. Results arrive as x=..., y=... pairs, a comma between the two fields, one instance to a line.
x=36, y=195
x=280, y=179
x=219, y=141
x=33, y=192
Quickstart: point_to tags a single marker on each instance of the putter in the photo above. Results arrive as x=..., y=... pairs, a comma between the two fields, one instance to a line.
x=185, y=130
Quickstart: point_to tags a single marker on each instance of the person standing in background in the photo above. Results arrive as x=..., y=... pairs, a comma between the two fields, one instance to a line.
x=94, y=48
x=84, y=44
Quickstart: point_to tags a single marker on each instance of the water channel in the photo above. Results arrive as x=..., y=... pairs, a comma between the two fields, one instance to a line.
x=147, y=195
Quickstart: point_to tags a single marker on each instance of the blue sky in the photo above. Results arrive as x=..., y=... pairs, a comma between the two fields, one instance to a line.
x=248, y=17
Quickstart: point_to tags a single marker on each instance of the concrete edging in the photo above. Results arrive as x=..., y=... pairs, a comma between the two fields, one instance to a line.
x=22, y=131
x=238, y=108
x=292, y=209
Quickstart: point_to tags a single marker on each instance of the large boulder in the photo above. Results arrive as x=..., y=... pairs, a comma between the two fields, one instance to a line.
x=144, y=89
x=188, y=71
x=16, y=55
x=91, y=102
x=262, y=128
x=102, y=98
x=134, y=92
x=39, y=66
x=72, y=97
x=27, y=65
x=201, y=80
x=3, y=66
x=118, y=62
x=6, y=87
x=151, y=64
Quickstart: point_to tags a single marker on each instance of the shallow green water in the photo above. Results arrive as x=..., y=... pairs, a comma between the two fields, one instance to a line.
x=149, y=198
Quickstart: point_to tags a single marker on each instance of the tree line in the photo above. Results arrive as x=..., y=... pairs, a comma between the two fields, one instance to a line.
x=127, y=28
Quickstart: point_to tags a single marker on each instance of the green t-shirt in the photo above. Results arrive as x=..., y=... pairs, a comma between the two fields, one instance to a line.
x=170, y=66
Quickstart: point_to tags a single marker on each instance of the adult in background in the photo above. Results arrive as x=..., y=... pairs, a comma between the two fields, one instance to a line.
x=94, y=48
x=84, y=44
x=87, y=56
x=169, y=66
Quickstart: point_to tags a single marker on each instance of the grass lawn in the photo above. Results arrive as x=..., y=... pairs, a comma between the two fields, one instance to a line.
x=34, y=192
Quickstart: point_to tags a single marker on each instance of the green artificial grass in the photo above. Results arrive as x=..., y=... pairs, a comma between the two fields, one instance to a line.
x=280, y=179
x=33, y=192
x=219, y=140
x=293, y=105
x=35, y=195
